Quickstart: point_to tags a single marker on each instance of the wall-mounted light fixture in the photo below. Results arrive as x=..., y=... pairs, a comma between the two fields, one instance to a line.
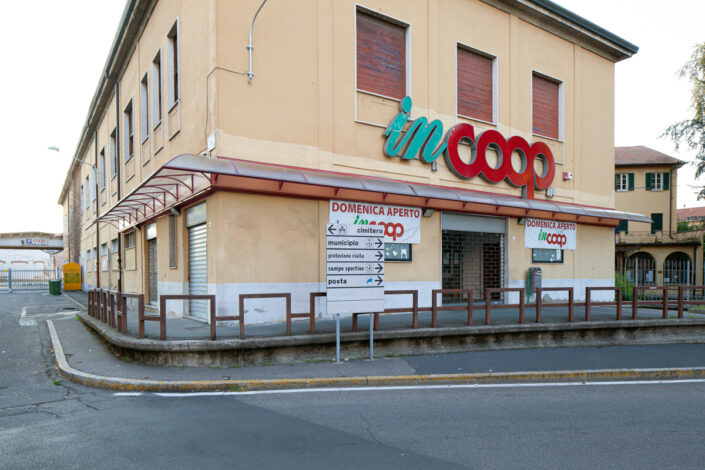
x=428, y=212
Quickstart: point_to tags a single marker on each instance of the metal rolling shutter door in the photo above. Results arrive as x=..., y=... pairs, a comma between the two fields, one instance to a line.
x=198, y=269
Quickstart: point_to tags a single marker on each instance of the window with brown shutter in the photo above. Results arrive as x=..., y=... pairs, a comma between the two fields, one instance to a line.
x=381, y=56
x=475, y=87
x=545, y=107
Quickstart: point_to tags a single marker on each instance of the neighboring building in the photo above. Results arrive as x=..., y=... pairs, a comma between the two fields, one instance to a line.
x=653, y=253
x=211, y=170
x=692, y=217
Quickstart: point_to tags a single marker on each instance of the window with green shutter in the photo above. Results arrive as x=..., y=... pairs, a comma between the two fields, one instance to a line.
x=657, y=224
x=631, y=181
x=666, y=180
x=623, y=226
x=649, y=178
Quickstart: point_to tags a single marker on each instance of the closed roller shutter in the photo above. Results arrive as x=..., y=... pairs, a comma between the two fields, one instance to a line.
x=198, y=270
x=545, y=107
x=474, y=85
x=381, y=56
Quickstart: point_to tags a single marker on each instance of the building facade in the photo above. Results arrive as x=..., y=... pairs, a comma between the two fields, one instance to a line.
x=226, y=135
x=655, y=253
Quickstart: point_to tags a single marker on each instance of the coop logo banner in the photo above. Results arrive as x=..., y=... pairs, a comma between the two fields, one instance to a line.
x=401, y=224
x=550, y=234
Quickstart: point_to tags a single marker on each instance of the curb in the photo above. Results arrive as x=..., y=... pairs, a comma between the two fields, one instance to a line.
x=122, y=384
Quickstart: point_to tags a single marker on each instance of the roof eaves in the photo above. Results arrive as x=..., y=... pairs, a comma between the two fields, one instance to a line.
x=586, y=24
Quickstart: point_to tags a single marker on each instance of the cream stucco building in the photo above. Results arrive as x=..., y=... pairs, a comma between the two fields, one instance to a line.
x=223, y=135
x=654, y=253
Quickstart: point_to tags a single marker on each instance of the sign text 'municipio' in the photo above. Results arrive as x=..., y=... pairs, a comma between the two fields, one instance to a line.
x=426, y=140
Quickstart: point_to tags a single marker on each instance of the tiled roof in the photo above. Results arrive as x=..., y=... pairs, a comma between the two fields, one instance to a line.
x=640, y=155
x=691, y=212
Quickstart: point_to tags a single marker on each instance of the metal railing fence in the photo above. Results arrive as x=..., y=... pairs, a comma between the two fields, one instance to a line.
x=27, y=279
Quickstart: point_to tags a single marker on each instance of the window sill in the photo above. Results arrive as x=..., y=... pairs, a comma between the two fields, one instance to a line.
x=129, y=179
x=172, y=106
x=553, y=139
x=130, y=157
x=372, y=93
x=491, y=123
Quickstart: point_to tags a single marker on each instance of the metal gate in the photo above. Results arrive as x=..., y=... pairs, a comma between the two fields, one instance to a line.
x=472, y=260
x=198, y=269
x=27, y=279
x=152, y=271
x=641, y=269
x=677, y=270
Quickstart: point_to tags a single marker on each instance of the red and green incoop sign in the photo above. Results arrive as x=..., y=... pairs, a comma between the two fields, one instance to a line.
x=425, y=140
x=550, y=234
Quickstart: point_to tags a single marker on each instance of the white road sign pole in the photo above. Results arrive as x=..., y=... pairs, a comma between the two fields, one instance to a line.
x=354, y=273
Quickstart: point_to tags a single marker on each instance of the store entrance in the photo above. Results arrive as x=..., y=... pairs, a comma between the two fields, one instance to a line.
x=472, y=259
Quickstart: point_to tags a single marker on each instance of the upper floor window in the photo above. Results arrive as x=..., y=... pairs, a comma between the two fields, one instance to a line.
x=113, y=153
x=82, y=200
x=476, y=88
x=102, y=168
x=546, y=98
x=658, y=181
x=624, y=182
x=172, y=63
x=94, y=180
x=129, y=132
x=130, y=240
x=157, y=89
x=144, y=107
x=381, y=56
x=657, y=224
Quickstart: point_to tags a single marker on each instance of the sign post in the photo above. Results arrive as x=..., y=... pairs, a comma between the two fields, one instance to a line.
x=354, y=271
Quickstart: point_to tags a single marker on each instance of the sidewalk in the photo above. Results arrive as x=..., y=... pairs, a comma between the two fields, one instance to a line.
x=82, y=357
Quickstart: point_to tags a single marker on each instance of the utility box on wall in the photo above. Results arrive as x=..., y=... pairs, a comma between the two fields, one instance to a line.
x=535, y=277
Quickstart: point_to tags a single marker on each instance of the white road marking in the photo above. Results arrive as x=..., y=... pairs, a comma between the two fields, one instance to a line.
x=410, y=387
x=29, y=319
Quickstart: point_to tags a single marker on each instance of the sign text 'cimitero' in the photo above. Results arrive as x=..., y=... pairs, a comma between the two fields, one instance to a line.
x=425, y=140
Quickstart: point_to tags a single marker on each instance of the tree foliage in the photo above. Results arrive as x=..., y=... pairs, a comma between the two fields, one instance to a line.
x=691, y=132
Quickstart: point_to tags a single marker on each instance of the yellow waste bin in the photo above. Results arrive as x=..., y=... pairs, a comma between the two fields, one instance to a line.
x=72, y=276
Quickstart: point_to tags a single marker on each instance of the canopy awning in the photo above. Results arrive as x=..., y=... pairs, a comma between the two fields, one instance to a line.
x=187, y=177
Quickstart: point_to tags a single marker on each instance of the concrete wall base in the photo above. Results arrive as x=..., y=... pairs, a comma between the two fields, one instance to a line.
x=229, y=352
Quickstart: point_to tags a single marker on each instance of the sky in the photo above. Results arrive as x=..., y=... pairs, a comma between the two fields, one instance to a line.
x=52, y=63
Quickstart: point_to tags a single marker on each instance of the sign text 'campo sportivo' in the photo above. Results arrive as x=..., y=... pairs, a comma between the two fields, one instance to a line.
x=425, y=140
x=550, y=234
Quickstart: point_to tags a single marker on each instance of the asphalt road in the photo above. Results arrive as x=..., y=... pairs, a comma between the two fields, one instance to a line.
x=43, y=425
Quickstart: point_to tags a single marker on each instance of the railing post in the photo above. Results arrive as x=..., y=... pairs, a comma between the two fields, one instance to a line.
x=571, y=305
x=140, y=316
x=665, y=302
x=434, y=308
x=521, y=306
x=680, y=301
x=538, y=305
x=619, y=303
x=470, y=308
x=587, y=304
x=162, y=318
x=241, y=315
x=635, y=303
x=9, y=279
x=213, y=321
x=415, y=313
x=288, y=313
x=487, y=306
